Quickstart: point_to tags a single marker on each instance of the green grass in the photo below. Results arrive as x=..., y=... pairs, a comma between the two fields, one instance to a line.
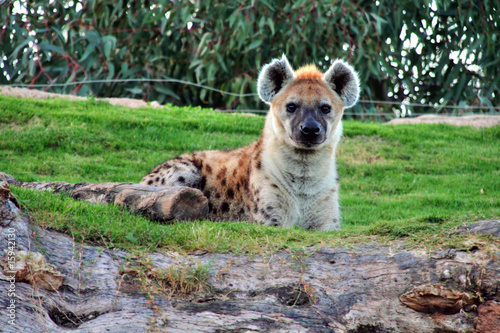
x=411, y=181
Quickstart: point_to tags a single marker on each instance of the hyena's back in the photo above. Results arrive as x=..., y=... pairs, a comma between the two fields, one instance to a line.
x=222, y=176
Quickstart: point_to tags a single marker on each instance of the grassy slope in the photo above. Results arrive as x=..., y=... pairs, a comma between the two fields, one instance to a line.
x=405, y=180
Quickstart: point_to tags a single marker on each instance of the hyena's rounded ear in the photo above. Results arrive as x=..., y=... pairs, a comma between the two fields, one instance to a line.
x=273, y=77
x=342, y=78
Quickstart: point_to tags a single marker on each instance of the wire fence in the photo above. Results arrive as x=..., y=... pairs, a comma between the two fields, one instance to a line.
x=222, y=92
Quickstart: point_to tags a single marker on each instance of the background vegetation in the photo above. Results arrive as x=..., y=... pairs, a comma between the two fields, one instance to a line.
x=411, y=181
x=442, y=52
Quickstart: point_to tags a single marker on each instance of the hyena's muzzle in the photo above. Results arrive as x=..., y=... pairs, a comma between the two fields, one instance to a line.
x=308, y=128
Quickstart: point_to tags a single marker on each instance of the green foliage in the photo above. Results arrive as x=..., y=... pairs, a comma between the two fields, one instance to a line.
x=440, y=52
x=412, y=181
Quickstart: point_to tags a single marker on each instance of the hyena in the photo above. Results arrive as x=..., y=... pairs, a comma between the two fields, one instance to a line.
x=288, y=177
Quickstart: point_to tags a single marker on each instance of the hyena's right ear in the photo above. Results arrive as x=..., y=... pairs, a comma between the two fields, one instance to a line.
x=273, y=77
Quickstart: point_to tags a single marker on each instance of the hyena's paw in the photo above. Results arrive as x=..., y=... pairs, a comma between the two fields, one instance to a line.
x=174, y=172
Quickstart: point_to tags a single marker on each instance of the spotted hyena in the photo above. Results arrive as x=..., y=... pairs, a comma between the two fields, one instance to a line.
x=288, y=177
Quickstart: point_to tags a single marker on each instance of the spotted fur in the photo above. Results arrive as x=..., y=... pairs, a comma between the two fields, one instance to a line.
x=288, y=177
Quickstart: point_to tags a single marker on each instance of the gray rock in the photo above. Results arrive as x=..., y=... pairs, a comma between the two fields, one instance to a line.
x=491, y=227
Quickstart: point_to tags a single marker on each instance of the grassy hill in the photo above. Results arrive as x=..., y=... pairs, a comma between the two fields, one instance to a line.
x=411, y=181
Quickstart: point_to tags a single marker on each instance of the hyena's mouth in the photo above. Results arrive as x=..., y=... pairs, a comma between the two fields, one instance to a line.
x=308, y=143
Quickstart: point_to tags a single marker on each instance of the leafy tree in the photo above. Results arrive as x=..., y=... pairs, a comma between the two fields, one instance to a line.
x=440, y=52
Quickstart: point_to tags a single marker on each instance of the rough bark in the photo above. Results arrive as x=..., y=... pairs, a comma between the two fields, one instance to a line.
x=30, y=267
x=327, y=290
x=164, y=204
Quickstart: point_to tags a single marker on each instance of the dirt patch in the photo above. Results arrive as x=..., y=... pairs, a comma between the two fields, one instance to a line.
x=38, y=94
x=477, y=121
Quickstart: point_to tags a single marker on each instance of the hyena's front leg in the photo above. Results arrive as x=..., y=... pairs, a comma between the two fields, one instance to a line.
x=178, y=171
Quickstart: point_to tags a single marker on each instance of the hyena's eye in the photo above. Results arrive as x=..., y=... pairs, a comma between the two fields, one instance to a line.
x=291, y=108
x=326, y=109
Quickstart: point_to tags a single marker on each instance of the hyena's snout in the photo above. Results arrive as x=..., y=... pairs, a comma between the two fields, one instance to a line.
x=309, y=131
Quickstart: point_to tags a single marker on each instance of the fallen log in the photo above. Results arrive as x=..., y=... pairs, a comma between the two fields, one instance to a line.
x=163, y=204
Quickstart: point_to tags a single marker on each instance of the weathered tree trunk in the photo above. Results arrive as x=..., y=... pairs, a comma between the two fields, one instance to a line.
x=370, y=288
x=164, y=204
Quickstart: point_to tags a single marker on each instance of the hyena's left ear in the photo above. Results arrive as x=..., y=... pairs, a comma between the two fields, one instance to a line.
x=273, y=77
x=344, y=81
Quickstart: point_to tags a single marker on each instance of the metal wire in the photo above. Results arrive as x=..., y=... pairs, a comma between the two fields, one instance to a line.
x=398, y=104
x=74, y=83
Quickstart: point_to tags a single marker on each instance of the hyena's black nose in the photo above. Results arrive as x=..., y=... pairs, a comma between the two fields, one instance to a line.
x=310, y=128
